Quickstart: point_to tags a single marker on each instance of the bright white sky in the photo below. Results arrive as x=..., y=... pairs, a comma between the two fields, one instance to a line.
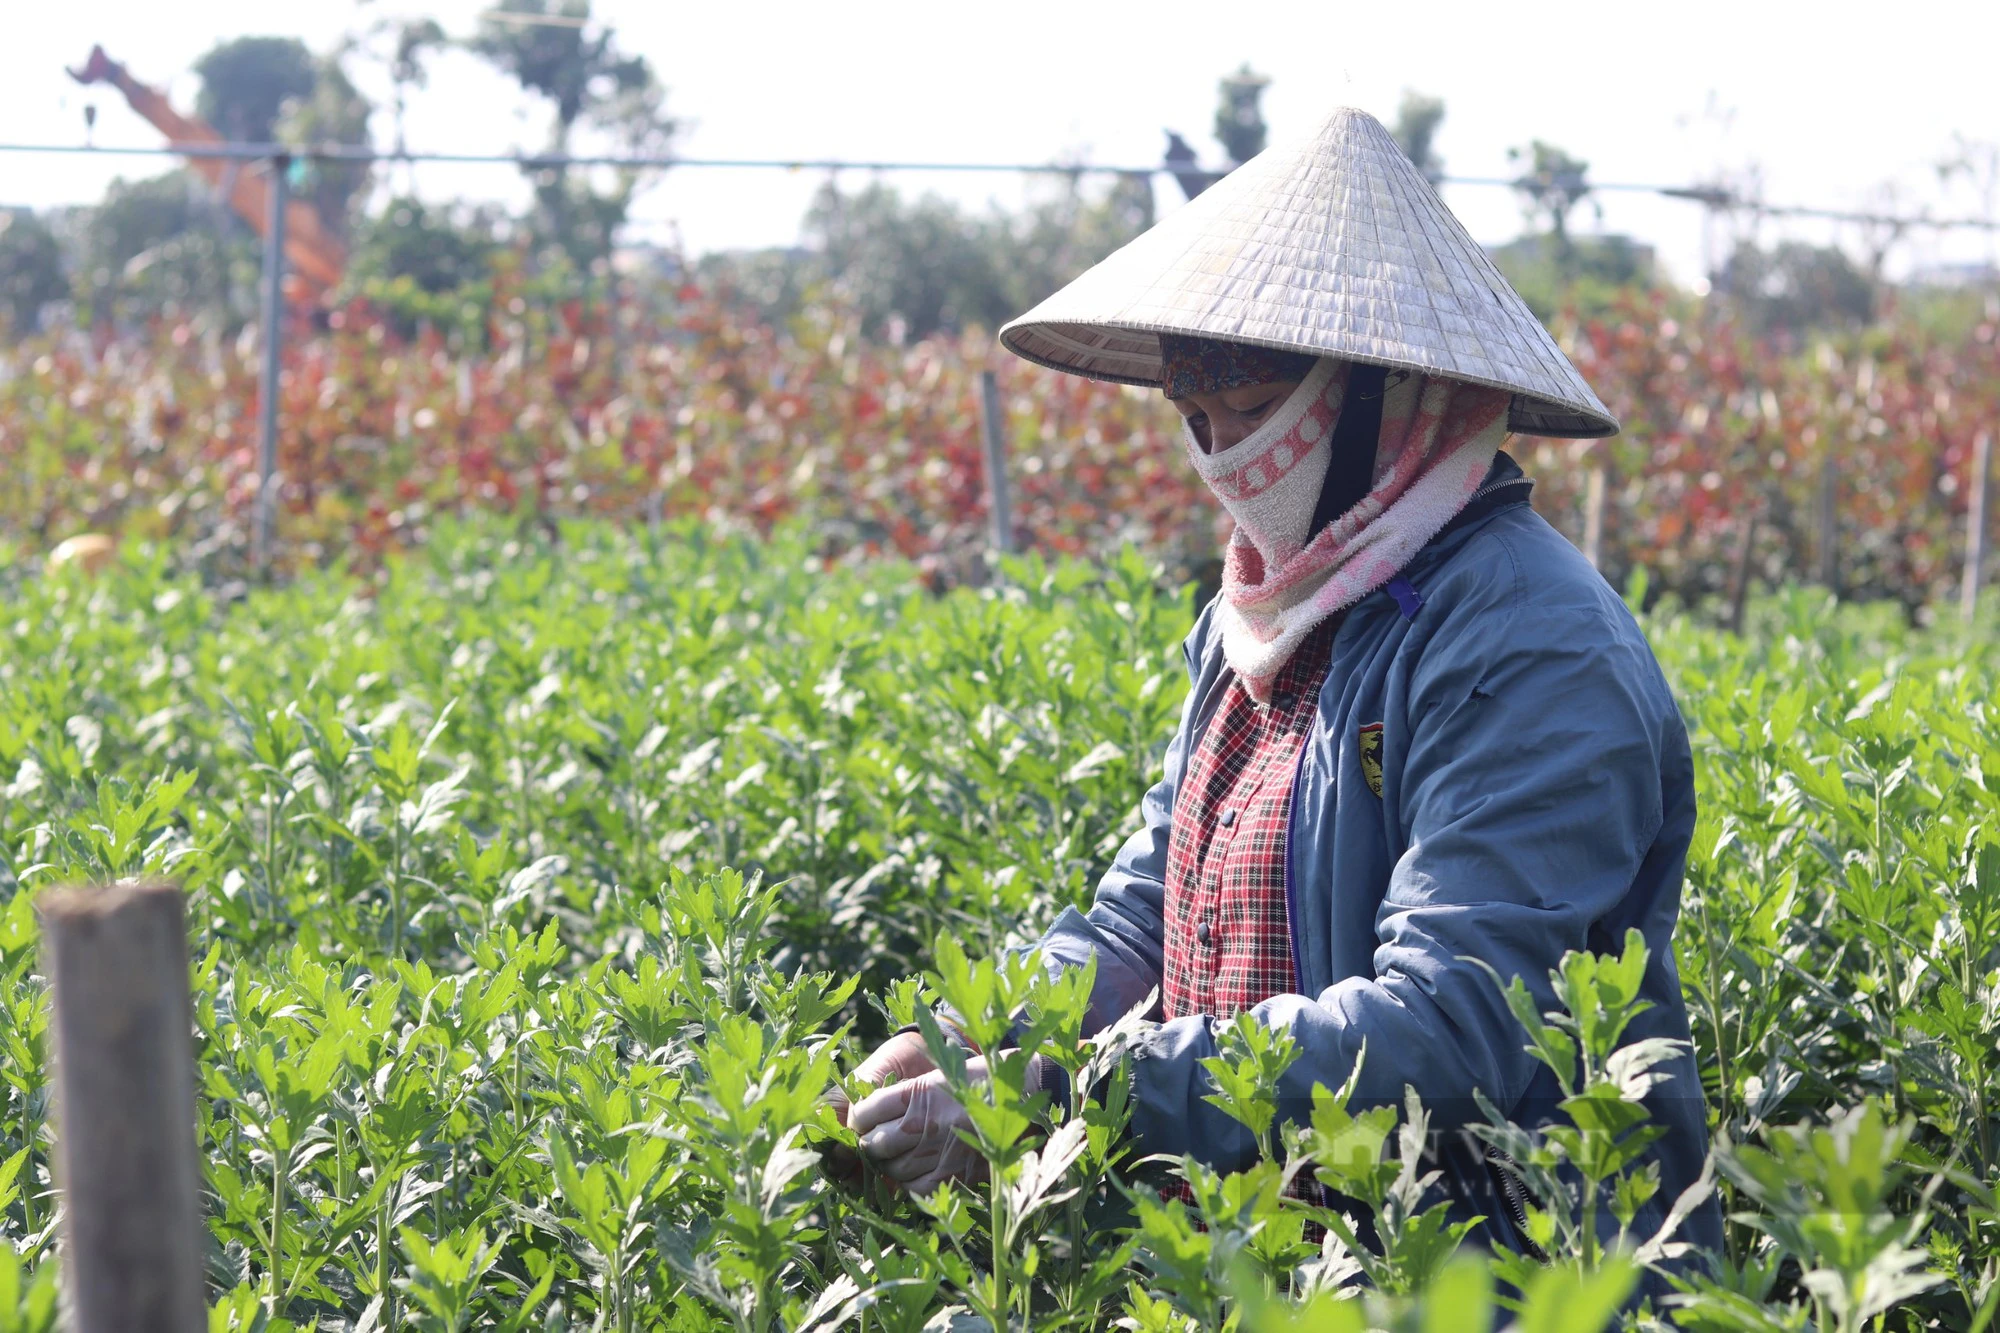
x=1834, y=104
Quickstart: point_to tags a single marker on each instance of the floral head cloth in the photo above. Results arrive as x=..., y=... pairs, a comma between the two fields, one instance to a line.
x=1191, y=365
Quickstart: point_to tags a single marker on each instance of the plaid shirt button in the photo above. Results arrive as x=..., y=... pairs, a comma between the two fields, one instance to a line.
x=1203, y=933
x=1228, y=818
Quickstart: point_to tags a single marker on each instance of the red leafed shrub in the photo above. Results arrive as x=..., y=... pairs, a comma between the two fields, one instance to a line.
x=682, y=405
x=690, y=410
x=1720, y=428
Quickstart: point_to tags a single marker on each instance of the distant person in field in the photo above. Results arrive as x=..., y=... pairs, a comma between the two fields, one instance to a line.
x=1421, y=729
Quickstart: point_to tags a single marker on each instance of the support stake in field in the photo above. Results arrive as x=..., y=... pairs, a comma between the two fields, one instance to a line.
x=274, y=339
x=1739, y=583
x=999, y=513
x=125, y=1156
x=1829, y=519
x=1975, y=523
x=1593, y=515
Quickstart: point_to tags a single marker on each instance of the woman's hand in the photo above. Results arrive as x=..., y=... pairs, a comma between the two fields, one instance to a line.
x=910, y=1131
x=901, y=1057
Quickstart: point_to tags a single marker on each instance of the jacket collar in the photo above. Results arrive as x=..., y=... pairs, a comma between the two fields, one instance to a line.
x=1506, y=487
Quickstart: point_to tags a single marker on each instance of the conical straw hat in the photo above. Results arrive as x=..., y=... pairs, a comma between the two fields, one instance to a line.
x=1336, y=246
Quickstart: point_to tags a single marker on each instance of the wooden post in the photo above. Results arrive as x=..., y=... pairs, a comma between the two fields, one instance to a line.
x=1829, y=519
x=1593, y=515
x=1739, y=591
x=267, y=380
x=125, y=1155
x=998, y=511
x=1975, y=524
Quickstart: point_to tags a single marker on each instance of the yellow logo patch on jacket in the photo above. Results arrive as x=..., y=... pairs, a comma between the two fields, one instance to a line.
x=1371, y=756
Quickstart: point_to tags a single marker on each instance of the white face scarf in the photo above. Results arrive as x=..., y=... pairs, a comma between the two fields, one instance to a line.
x=1270, y=480
x=1280, y=580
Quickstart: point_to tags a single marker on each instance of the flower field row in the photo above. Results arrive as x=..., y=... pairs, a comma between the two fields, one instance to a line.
x=682, y=404
x=543, y=887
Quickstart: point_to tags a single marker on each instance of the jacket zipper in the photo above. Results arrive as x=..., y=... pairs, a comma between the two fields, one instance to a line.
x=1292, y=831
x=1510, y=1187
x=1494, y=488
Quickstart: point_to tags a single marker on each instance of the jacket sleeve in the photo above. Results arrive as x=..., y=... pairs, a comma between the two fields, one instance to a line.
x=1528, y=798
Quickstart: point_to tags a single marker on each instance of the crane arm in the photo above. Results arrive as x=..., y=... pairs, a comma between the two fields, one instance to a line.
x=315, y=256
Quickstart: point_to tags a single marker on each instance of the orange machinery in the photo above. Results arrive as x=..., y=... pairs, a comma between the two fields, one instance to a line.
x=314, y=258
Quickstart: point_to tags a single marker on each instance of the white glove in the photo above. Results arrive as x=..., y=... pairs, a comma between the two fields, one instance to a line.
x=910, y=1131
x=904, y=1056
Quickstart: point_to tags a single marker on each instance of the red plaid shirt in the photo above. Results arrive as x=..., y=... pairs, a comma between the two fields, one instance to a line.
x=1228, y=935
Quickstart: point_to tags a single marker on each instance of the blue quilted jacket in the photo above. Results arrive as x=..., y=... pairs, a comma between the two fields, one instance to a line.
x=1536, y=796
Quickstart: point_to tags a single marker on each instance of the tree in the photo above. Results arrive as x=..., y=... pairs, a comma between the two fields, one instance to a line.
x=31, y=269
x=1239, y=115
x=420, y=262
x=909, y=267
x=1550, y=189
x=1061, y=237
x=246, y=82
x=1552, y=186
x=1795, y=287
x=333, y=112
x=912, y=267
x=1415, y=132
x=410, y=43
x=549, y=48
x=1592, y=275
x=160, y=243
x=435, y=249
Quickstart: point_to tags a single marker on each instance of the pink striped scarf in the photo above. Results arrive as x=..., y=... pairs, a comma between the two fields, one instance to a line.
x=1437, y=442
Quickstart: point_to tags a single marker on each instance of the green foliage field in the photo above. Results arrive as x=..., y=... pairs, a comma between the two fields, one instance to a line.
x=543, y=887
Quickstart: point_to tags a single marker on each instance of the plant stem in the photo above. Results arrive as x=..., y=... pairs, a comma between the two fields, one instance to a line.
x=1075, y=1209
x=277, y=1252
x=396, y=895
x=1714, y=997
x=270, y=851
x=29, y=1213
x=996, y=1219
x=618, y=1293
x=1590, y=1189
x=382, y=1285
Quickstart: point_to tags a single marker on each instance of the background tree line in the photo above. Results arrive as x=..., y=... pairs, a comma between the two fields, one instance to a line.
x=908, y=265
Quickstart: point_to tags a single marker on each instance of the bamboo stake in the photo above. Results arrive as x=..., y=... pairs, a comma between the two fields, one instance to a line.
x=268, y=376
x=1829, y=520
x=999, y=512
x=125, y=1152
x=1975, y=524
x=1739, y=592
x=1593, y=516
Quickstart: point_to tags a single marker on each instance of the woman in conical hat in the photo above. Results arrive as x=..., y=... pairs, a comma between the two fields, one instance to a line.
x=1422, y=734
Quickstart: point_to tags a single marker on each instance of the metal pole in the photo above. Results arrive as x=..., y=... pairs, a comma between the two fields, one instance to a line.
x=274, y=338
x=1975, y=523
x=998, y=512
x=126, y=1156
